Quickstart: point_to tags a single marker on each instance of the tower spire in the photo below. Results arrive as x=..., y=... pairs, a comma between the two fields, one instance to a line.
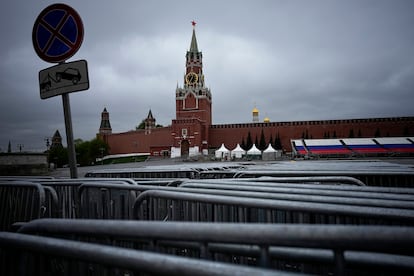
x=149, y=122
x=193, y=46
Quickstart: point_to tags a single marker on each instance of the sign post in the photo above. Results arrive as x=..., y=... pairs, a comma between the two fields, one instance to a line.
x=57, y=35
x=69, y=136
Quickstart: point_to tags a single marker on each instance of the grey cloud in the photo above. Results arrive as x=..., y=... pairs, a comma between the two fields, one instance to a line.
x=296, y=60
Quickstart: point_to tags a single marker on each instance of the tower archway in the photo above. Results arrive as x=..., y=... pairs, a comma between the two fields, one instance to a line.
x=185, y=148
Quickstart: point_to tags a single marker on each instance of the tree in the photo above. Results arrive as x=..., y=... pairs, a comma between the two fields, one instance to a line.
x=249, y=142
x=262, y=143
x=82, y=153
x=278, y=142
x=59, y=156
x=243, y=144
x=98, y=149
x=141, y=125
x=271, y=142
x=88, y=151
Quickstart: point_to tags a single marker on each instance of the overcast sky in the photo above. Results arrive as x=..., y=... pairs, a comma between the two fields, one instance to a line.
x=293, y=60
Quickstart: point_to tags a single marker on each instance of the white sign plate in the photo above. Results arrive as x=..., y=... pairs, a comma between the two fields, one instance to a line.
x=63, y=78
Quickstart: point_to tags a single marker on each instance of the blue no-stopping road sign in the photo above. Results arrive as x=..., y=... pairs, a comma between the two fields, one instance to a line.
x=57, y=33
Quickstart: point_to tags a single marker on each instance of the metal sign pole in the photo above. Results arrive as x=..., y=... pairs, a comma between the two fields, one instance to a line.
x=69, y=136
x=57, y=35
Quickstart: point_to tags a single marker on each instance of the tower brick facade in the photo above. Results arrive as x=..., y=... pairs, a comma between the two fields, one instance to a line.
x=149, y=123
x=193, y=105
x=105, y=127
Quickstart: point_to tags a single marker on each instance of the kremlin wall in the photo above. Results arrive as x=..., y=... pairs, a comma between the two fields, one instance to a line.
x=192, y=131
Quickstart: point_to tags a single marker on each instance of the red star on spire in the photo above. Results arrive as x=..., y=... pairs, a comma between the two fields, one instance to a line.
x=193, y=23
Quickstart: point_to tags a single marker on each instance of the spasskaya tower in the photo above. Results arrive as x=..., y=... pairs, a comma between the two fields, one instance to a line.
x=193, y=106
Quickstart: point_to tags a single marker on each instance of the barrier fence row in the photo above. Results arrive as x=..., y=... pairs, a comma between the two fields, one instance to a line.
x=117, y=198
x=204, y=248
x=371, y=173
x=326, y=216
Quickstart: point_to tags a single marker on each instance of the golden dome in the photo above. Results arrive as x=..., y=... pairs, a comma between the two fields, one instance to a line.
x=266, y=120
x=255, y=110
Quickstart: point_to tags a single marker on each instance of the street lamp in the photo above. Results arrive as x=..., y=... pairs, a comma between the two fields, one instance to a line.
x=47, y=142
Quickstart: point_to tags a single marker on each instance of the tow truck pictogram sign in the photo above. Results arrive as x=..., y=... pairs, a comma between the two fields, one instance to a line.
x=64, y=78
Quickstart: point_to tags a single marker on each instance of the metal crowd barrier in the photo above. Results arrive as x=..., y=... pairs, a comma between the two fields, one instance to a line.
x=184, y=206
x=51, y=203
x=115, y=199
x=25, y=178
x=68, y=205
x=371, y=173
x=106, y=201
x=242, y=201
x=20, y=202
x=293, y=195
x=146, y=173
x=59, y=196
x=127, y=181
x=322, y=249
x=369, y=177
x=217, y=174
x=265, y=181
x=33, y=255
x=337, y=180
x=403, y=194
x=173, y=182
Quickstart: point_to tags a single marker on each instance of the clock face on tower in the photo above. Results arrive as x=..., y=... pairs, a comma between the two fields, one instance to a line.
x=191, y=78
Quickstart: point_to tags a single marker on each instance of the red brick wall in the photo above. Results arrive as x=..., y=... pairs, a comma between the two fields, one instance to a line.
x=231, y=134
x=138, y=141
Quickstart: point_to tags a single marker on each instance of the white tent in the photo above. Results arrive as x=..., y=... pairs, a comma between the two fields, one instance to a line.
x=222, y=152
x=254, y=150
x=254, y=153
x=237, y=152
x=270, y=153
